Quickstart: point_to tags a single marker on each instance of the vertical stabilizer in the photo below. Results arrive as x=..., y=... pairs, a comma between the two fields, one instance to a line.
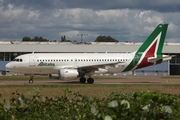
x=151, y=48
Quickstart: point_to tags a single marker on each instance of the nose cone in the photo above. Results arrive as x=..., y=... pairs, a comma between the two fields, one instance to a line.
x=8, y=66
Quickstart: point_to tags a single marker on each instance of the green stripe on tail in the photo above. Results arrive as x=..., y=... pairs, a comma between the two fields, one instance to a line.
x=161, y=28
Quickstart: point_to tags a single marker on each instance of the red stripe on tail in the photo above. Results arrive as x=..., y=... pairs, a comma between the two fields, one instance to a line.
x=149, y=53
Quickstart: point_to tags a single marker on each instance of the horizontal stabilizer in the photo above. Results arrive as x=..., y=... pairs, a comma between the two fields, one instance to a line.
x=164, y=58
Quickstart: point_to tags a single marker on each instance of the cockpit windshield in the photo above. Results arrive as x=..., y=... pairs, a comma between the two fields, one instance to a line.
x=17, y=60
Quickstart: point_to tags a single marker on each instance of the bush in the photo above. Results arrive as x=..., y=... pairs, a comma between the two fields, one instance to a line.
x=74, y=106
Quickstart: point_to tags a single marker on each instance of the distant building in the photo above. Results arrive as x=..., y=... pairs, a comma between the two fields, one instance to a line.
x=9, y=50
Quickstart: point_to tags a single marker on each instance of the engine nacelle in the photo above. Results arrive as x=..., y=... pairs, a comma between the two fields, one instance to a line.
x=65, y=74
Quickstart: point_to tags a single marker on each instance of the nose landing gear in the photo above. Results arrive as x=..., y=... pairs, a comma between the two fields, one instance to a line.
x=31, y=79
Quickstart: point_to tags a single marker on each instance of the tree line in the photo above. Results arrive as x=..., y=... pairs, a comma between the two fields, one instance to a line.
x=35, y=39
x=63, y=39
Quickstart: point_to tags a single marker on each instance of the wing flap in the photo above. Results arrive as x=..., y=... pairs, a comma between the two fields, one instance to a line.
x=95, y=67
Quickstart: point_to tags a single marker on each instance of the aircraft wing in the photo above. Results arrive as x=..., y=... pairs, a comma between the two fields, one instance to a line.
x=163, y=58
x=94, y=67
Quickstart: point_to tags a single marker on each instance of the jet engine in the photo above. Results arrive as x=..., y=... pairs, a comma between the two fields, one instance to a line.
x=65, y=74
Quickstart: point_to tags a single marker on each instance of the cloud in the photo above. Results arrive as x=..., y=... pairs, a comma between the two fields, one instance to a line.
x=160, y=5
x=130, y=20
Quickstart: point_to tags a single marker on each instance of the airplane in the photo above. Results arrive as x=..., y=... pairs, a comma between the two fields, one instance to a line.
x=69, y=66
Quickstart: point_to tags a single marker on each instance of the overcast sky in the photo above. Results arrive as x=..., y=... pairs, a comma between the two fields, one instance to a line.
x=124, y=20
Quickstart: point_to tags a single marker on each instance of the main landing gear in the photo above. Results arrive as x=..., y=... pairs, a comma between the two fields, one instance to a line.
x=31, y=79
x=89, y=80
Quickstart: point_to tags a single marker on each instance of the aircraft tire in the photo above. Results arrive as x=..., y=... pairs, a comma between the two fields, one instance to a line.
x=90, y=80
x=82, y=80
x=31, y=81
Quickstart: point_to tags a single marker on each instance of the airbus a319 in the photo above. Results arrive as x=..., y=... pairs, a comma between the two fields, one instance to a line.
x=69, y=66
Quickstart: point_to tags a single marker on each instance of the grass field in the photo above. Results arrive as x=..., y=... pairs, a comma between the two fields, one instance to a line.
x=100, y=90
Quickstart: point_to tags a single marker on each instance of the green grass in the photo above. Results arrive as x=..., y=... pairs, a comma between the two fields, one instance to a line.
x=100, y=90
x=93, y=91
x=85, y=89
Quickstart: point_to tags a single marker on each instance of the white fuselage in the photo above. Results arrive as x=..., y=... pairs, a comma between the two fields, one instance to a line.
x=50, y=63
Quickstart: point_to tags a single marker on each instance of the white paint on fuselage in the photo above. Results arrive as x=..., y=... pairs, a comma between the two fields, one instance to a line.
x=31, y=62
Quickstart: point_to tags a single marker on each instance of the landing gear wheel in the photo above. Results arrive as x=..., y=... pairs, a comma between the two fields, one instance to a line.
x=82, y=79
x=31, y=81
x=90, y=80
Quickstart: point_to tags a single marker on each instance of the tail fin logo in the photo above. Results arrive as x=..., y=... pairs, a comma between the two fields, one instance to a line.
x=151, y=48
x=151, y=51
